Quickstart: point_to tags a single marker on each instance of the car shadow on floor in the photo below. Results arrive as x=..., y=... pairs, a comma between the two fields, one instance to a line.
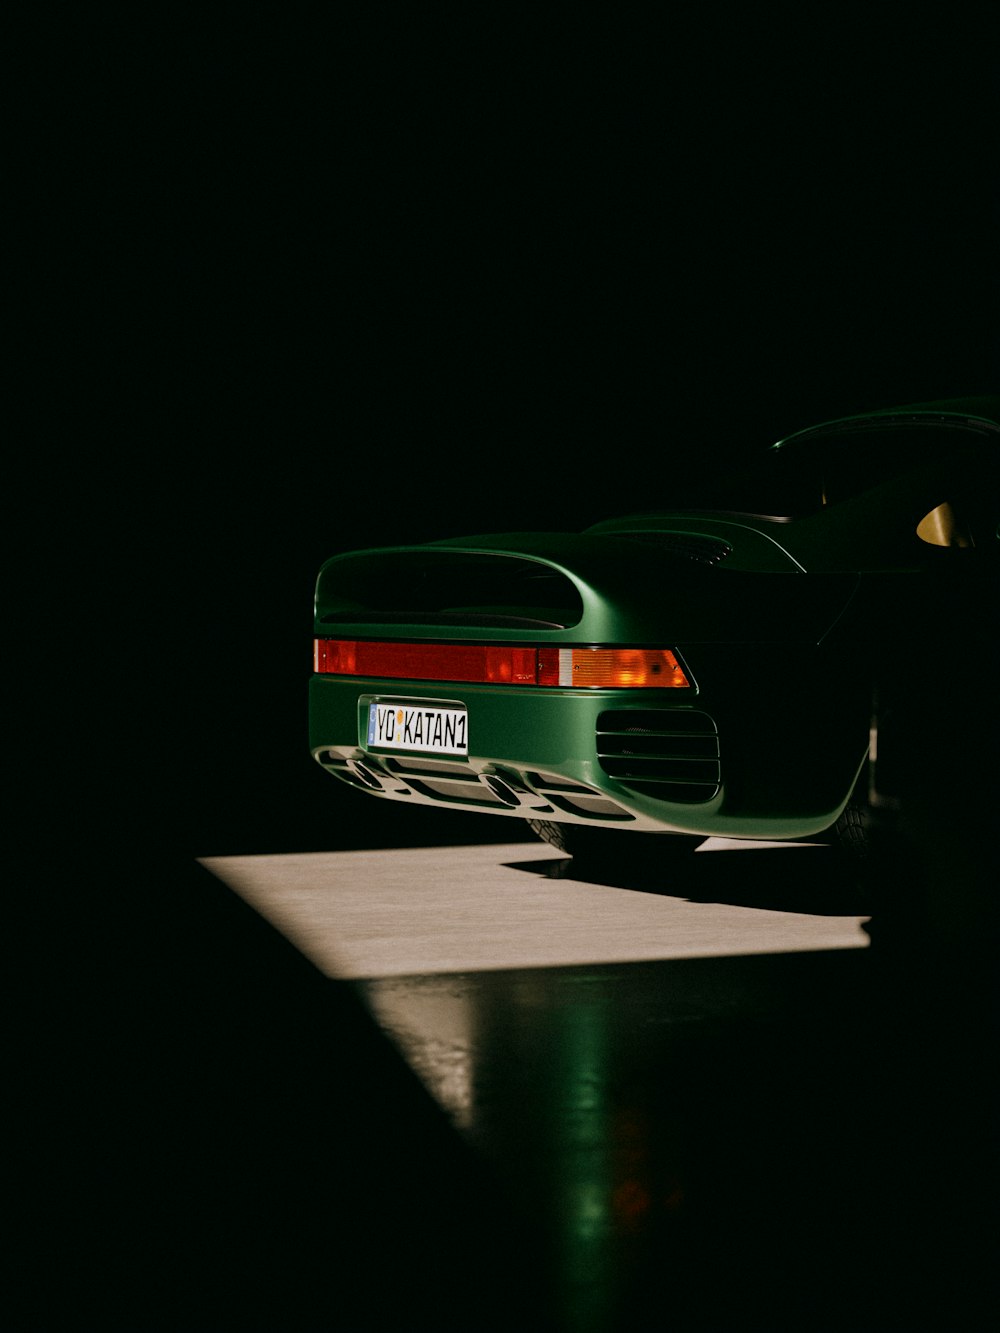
x=811, y=879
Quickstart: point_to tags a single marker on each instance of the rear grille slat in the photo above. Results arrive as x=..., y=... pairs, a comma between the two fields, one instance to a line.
x=665, y=769
x=670, y=754
x=661, y=747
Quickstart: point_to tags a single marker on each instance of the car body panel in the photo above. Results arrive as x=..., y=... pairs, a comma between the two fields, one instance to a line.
x=781, y=623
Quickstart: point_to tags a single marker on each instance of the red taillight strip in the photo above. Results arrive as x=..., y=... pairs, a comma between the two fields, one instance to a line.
x=500, y=664
x=487, y=664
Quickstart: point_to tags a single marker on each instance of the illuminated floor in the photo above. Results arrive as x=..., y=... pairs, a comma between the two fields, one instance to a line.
x=455, y=909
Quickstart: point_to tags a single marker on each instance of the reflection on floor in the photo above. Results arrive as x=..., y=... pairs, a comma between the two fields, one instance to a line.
x=688, y=1144
x=772, y=1142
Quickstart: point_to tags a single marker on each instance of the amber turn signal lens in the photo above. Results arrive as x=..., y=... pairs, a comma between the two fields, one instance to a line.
x=611, y=668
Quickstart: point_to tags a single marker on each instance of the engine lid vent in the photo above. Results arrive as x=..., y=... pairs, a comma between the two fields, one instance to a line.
x=690, y=546
x=440, y=587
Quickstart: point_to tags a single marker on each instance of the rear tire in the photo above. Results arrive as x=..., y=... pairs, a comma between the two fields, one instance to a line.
x=603, y=847
x=851, y=835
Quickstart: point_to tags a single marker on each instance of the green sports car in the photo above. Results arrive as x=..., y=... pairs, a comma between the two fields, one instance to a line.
x=670, y=675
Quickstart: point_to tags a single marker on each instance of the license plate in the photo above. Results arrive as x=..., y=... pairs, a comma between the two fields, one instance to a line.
x=418, y=728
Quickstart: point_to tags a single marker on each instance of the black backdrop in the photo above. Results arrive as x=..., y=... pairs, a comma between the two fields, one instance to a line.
x=305, y=278
x=343, y=278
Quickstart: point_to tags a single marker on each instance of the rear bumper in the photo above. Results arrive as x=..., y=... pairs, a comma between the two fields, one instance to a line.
x=626, y=759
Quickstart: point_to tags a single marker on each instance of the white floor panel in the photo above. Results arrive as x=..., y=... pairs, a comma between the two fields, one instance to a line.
x=415, y=911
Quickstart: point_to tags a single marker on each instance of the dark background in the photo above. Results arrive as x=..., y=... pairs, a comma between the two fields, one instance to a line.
x=338, y=277
x=303, y=279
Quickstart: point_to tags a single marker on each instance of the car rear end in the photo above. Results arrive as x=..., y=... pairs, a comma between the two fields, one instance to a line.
x=573, y=678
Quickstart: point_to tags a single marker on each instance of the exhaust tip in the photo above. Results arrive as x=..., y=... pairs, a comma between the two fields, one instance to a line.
x=364, y=774
x=503, y=791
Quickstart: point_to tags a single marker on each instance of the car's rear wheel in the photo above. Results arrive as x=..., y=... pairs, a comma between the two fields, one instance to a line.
x=607, y=847
x=852, y=833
